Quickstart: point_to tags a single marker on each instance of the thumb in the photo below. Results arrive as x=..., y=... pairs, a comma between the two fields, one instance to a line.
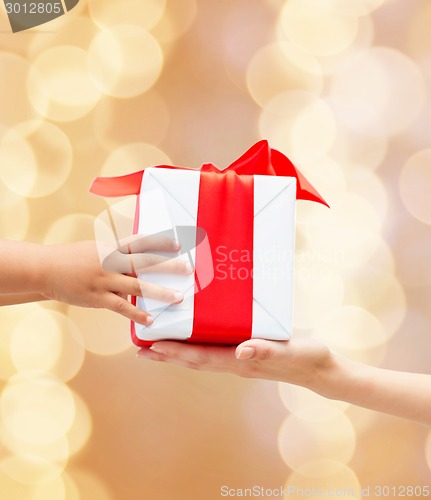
x=260, y=349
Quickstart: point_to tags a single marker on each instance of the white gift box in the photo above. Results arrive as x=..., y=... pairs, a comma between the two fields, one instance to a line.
x=236, y=228
x=169, y=199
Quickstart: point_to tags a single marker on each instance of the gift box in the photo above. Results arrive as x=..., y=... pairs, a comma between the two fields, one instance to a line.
x=236, y=228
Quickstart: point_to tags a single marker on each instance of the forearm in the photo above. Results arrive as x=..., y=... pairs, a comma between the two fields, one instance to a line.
x=9, y=299
x=23, y=266
x=406, y=395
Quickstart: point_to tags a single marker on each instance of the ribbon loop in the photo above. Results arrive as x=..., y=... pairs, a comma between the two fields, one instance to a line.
x=258, y=160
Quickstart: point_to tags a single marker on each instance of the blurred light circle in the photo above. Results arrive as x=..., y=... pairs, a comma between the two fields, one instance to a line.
x=82, y=426
x=72, y=354
x=47, y=340
x=262, y=426
x=368, y=186
x=54, y=490
x=89, y=485
x=18, y=161
x=349, y=231
x=14, y=214
x=365, y=39
x=302, y=440
x=143, y=13
x=59, y=76
x=351, y=328
x=328, y=176
x=417, y=29
x=78, y=32
x=144, y=118
x=14, y=101
x=327, y=478
x=359, y=117
x=70, y=488
x=413, y=264
x=279, y=67
x=306, y=404
x=36, y=342
x=330, y=64
x=138, y=154
x=55, y=452
x=362, y=419
x=243, y=31
x=177, y=20
x=299, y=124
x=70, y=228
x=383, y=258
x=415, y=185
x=30, y=470
x=381, y=294
x=350, y=210
x=35, y=162
x=377, y=80
x=319, y=288
x=359, y=147
x=316, y=28
x=36, y=408
x=9, y=318
x=104, y=332
x=124, y=61
x=353, y=7
x=354, y=246
x=418, y=40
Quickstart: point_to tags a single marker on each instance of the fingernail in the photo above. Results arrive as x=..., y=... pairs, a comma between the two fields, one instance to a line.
x=189, y=268
x=178, y=297
x=149, y=320
x=246, y=353
x=177, y=245
x=157, y=349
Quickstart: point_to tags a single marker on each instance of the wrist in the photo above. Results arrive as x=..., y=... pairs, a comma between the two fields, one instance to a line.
x=42, y=270
x=337, y=377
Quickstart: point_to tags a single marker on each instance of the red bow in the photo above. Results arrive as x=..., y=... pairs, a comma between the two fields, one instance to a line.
x=260, y=159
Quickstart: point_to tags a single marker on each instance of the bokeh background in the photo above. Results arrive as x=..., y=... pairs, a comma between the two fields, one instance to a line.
x=340, y=86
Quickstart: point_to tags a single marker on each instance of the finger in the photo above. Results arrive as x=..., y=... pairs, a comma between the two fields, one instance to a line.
x=152, y=356
x=146, y=353
x=201, y=355
x=260, y=349
x=152, y=263
x=158, y=292
x=139, y=243
x=126, y=285
x=118, y=262
x=117, y=304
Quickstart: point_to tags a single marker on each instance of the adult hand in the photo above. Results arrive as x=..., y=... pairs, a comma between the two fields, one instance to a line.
x=299, y=361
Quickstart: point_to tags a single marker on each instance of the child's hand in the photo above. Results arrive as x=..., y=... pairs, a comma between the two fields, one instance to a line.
x=72, y=273
x=297, y=361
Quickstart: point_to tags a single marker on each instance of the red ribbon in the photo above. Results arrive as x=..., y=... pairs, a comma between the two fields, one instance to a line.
x=223, y=310
x=258, y=160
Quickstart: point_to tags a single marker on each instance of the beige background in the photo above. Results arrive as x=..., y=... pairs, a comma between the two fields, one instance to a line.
x=340, y=86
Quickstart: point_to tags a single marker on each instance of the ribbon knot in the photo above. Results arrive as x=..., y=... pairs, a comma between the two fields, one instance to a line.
x=260, y=159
